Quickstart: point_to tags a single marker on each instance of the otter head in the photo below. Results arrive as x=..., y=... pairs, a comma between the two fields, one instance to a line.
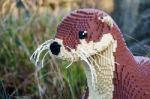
x=86, y=31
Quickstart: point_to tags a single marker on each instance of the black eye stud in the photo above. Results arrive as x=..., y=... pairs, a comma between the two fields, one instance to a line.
x=82, y=34
x=100, y=18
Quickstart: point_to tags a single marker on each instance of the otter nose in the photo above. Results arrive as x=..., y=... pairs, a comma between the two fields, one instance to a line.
x=55, y=48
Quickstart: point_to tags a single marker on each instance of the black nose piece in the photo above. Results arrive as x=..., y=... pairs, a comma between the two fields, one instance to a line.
x=55, y=48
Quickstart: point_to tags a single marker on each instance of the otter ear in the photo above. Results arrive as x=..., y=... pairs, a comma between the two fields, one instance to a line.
x=107, y=19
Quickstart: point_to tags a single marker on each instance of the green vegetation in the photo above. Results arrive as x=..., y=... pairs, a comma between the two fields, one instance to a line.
x=18, y=39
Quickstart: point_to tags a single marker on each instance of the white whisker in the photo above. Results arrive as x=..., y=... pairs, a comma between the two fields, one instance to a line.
x=91, y=59
x=71, y=58
x=106, y=58
x=44, y=58
x=93, y=72
x=35, y=57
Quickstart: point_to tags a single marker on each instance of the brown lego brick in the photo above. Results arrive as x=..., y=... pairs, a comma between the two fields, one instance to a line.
x=132, y=75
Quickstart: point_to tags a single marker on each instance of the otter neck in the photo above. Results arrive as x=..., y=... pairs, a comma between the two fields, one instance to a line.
x=104, y=65
x=106, y=68
x=122, y=54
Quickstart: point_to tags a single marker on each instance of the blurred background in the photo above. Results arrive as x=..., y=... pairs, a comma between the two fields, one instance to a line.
x=25, y=24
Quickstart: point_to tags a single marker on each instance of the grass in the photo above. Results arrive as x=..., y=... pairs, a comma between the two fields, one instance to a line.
x=18, y=39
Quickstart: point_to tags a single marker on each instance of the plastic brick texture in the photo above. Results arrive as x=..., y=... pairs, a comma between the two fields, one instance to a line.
x=132, y=75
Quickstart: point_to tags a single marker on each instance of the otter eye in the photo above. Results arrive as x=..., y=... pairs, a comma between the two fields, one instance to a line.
x=82, y=34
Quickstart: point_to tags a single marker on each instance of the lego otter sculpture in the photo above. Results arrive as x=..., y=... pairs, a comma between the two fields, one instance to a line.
x=112, y=71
